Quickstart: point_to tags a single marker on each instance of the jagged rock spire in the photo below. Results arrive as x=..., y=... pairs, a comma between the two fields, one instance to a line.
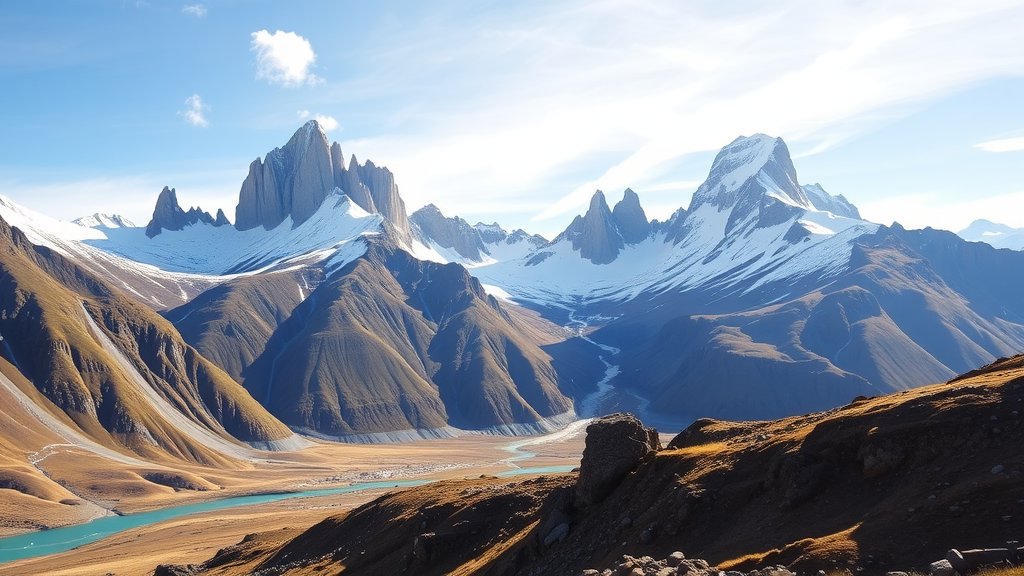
x=293, y=181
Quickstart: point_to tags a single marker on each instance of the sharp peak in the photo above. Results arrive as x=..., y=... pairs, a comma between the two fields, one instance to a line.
x=429, y=208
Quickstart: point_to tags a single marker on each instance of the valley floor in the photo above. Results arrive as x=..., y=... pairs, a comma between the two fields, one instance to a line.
x=197, y=537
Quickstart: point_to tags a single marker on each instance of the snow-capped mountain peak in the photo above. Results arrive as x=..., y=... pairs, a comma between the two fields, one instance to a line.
x=747, y=169
x=100, y=220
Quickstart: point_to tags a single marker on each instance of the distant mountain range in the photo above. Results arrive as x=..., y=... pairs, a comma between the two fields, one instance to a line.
x=328, y=310
x=998, y=235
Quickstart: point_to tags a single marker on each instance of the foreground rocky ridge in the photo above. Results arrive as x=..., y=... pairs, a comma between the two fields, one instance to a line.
x=882, y=484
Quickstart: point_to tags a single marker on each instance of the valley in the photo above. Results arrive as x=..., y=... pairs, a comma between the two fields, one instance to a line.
x=281, y=489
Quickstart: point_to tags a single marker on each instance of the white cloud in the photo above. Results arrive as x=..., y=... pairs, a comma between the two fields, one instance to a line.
x=1004, y=145
x=284, y=58
x=194, y=111
x=327, y=122
x=197, y=10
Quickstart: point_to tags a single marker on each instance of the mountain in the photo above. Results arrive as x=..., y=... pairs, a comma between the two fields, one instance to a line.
x=997, y=235
x=762, y=280
x=452, y=233
x=98, y=220
x=168, y=215
x=293, y=181
x=471, y=244
x=115, y=368
x=762, y=298
x=338, y=329
x=434, y=351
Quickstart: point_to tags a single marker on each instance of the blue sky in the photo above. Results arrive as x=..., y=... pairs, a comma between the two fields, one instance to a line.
x=517, y=112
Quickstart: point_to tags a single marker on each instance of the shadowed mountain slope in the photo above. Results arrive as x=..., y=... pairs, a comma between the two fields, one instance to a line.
x=393, y=344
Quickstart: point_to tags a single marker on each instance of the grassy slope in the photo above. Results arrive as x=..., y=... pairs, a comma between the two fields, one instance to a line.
x=887, y=483
x=44, y=300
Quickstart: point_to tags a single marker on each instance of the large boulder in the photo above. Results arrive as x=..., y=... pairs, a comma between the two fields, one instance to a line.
x=615, y=445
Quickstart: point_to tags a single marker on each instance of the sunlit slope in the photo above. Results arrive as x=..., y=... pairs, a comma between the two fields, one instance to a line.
x=879, y=484
x=116, y=368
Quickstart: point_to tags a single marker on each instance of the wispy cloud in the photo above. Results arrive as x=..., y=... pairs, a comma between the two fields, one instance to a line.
x=197, y=10
x=937, y=211
x=284, y=58
x=1003, y=145
x=576, y=96
x=327, y=122
x=195, y=111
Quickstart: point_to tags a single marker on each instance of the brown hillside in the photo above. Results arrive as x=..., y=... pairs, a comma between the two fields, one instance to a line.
x=887, y=483
x=391, y=343
x=116, y=368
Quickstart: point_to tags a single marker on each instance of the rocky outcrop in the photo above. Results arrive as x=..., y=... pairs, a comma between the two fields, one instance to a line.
x=630, y=218
x=594, y=235
x=677, y=563
x=221, y=219
x=384, y=192
x=822, y=200
x=600, y=234
x=293, y=181
x=453, y=233
x=615, y=446
x=168, y=215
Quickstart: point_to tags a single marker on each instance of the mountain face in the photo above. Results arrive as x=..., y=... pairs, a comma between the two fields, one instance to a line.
x=996, y=235
x=388, y=345
x=601, y=233
x=453, y=233
x=98, y=220
x=838, y=205
x=630, y=219
x=115, y=368
x=473, y=244
x=762, y=280
x=168, y=215
x=294, y=180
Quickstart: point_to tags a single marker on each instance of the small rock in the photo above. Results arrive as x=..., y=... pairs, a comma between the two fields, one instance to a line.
x=896, y=574
x=941, y=568
x=590, y=572
x=675, y=559
x=647, y=536
x=997, y=469
x=615, y=444
x=954, y=508
x=931, y=496
x=558, y=534
x=626, y=522
x=993, y=417
x=1007, y=518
